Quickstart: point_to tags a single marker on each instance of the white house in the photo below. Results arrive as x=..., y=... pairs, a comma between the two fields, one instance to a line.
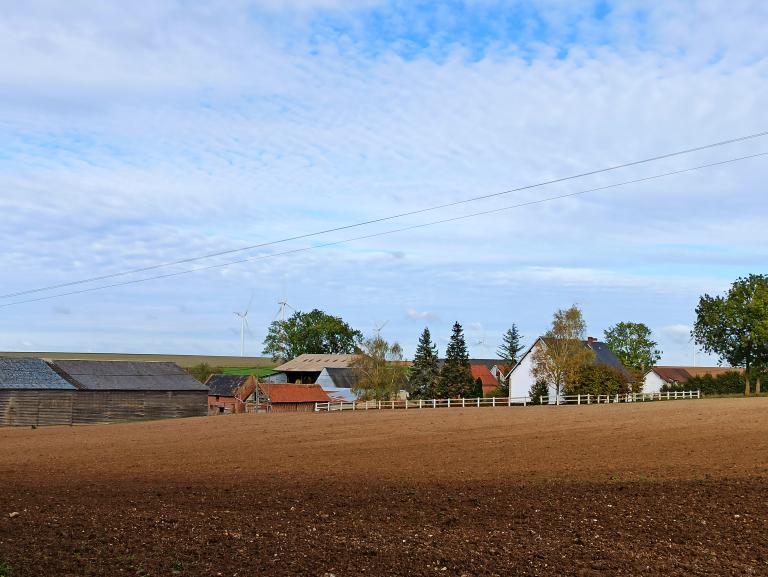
x=666, y=375
x=521, y=378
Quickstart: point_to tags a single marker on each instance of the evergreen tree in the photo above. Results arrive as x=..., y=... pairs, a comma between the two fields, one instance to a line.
x=425, y=372
x=510, y=346
x=539, y=390
x=456, y=377
x=477, y=389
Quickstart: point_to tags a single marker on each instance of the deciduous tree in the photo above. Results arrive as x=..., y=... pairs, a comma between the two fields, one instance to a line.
x=380, y=374
x=633, y=345
x=735, y=326
x=561, y=353
x=313, y=332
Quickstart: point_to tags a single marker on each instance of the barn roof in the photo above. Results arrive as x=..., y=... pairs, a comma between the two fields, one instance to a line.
x=682, y=374
x=225, y=385
x=27, y=373
x=343, y=378
x=288, y=393
x=308, y=363
x=484, y=374
x=127, y=376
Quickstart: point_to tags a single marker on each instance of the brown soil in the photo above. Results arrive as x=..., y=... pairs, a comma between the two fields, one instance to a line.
x=672, y=488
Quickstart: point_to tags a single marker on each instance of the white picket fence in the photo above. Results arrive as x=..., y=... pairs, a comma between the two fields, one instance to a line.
x=501, y=401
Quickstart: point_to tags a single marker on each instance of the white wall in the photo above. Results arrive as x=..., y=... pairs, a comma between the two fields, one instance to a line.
x=652, y=383
x=521, y=379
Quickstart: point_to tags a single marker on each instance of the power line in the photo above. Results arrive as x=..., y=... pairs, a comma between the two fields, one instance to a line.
x=385, y=218
x=388, y=232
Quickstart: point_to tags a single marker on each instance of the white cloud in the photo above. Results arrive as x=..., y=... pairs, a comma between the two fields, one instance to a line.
x=415, y=315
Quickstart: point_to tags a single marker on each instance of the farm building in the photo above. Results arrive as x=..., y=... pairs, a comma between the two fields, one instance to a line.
x=287, y=397
x=80, y=392
x=338, y=382
x=521, y=377
x=660, y=376
x=483, y=373
x=227, y=393
x=307, y=368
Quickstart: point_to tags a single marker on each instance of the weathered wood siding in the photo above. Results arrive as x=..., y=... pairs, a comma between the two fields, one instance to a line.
x=50, y=407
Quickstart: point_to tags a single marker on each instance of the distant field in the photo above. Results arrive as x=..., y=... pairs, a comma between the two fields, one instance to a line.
x=255, y=371
x=665, y=488
x=181, y=360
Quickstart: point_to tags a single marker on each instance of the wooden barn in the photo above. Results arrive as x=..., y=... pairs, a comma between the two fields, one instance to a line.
x=81, y=392
x=228, y=393
x=288, y=398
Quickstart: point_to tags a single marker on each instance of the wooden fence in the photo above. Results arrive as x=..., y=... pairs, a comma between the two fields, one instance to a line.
x=502, y=401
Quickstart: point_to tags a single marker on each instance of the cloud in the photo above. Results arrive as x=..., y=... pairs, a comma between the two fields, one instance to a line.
x=679, y=333
x=415, y=315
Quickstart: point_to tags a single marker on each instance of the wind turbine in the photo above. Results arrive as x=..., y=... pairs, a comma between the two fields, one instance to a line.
x=243, y=325
x=377, y=328
x=281, y=311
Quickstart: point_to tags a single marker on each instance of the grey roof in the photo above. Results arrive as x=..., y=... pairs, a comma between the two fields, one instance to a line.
x=225, y=385
x=315, y=363
x=343, y=378
x=26, y=373
x=127, y=376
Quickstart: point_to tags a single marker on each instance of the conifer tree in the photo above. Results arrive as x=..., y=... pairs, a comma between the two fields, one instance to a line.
x=456, y=377
x=425, y=372
x=510, y=346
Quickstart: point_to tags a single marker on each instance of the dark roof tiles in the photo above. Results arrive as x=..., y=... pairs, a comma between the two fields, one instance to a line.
x=127, y=376
x=27, y=373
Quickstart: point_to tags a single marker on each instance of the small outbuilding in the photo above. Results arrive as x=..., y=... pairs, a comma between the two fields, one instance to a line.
x=289, y=398
x=228, y=393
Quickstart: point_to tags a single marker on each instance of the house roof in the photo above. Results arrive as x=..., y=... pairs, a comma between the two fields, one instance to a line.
x=603, y=354
x=484, y=374
x=308, y=363
x=127, y=376
x=682, y=374
x=27, y=373
x=288, y=393
x=225, y=385
x=343, y=378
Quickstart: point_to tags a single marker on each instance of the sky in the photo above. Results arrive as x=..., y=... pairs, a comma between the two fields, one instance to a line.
x=139, y=133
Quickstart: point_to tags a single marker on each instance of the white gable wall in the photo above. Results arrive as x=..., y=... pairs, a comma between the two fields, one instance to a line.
x=652, y=382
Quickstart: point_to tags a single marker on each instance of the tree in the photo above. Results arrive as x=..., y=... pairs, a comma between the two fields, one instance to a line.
x=425, y=372
x=202, y=371
x=510, y=346
x=561, y=353
x=455, y=376
x=477, y=388
x=596, y=379
x=735, y=326
x=539, y=390
x=380, y=376
x=313, y=332
x=632, y=344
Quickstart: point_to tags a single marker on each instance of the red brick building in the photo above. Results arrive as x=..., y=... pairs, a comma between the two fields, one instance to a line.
x=228, y=393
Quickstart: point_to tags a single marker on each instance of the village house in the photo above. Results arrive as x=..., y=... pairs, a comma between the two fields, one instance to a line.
x=659, y=376
x=227, y=393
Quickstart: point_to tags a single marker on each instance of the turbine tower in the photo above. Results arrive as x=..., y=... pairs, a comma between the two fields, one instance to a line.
x=243, y=325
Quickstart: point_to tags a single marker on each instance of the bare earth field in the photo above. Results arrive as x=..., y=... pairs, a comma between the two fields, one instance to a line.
x=666, y=488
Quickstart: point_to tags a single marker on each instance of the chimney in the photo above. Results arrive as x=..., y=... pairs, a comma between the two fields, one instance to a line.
x=591, y=340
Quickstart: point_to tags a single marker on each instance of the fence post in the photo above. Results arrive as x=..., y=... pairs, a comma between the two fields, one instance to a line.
x=434, y=403
x=541, y=399
x=420, y=401
x=578, y=400
x=449, y=403
x=478, y=401
x=493, y=401
x=698, y=394
x=463, y=402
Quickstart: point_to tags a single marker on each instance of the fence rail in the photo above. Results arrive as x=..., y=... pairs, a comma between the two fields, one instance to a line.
x=502, y=401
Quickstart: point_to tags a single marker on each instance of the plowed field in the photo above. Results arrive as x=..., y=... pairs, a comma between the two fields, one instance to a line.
x=666, y=488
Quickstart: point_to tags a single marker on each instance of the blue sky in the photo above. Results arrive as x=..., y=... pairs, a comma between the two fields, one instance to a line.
x=146, y=133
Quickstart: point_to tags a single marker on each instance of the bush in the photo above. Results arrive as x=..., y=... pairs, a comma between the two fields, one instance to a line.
x=597, y=379
x=728, y=383
x=538, y=390
x=202, y=371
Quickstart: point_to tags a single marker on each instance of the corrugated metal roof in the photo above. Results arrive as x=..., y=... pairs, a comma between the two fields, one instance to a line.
x=128, y=376
x=225, y=385
x=315, y=363
x=26, y=373
x=287, y=393
x=343, y=378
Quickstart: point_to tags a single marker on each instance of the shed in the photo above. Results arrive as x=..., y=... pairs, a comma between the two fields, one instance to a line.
x=227, y=393
x=307, y=368
x=338, y=382
x=291, y=398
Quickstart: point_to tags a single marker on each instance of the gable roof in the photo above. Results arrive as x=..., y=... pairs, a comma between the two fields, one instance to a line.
x=127, y=376
x=484, y=374
x=27, y=373
x=603, y=354
x=225, y=385
x=682, y=374
x=288, y=393
x=308, y=363
x=343, y=378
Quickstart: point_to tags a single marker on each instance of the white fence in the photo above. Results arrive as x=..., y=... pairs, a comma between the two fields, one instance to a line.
x=502, y=401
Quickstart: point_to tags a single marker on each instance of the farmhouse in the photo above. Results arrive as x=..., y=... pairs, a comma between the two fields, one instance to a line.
x=669, y=375
x=227, y=393
x=287, y=397
x=521, y=378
